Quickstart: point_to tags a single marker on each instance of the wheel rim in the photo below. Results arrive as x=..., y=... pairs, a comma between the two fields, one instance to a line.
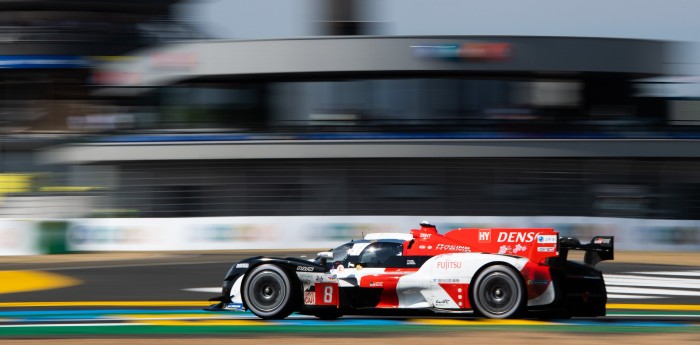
x=498, y=293
x=266, y=291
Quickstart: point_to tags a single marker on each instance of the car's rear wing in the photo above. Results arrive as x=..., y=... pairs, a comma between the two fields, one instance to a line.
x=536, y=244
x=600, y=248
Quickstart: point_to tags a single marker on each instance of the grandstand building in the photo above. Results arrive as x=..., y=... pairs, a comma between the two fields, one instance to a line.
x=47, y=51
x=444, y=126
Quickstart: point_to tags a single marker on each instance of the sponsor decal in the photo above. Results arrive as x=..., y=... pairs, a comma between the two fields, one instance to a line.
x=423, y=235
x=504, y=249
x=376, y=284
x=484, y=235
x=516, y=236
x=309, y=297
x=411, y=262
x=601, y=241
x=243, y=265
x=446, y=280
x=452, y=248
x=305, y=277
x=319, y=278
x=441, y=302
x=305, y=269
x=470, y=51
x=446, y=265
x=421, y=247
x=547, y=239
x=545, y=249
x=235, y=306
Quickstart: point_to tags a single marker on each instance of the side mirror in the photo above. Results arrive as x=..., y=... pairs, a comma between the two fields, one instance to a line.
x=324, y=256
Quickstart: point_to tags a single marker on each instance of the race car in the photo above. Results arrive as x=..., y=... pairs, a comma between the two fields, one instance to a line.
x=492, y=273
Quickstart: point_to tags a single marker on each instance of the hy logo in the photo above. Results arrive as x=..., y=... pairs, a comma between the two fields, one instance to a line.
x=484, y=235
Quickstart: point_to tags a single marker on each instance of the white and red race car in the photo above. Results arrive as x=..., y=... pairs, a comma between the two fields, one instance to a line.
x=494, y=273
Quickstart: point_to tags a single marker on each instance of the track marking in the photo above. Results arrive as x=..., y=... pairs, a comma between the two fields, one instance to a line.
x=673, y=307
x=652, y=285
x=163, y=316
x=671, y=273
x=621, y=296
x=24, y=281
x=207, y=323
x=656, y=315
x=648, y=291
x=204, y=289
x=106, y=304
x=481, y=322
x=70, y=325
x=646, y=281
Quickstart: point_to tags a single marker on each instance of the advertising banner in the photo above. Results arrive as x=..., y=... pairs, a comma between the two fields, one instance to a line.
x=19, y=237
x=232, y=233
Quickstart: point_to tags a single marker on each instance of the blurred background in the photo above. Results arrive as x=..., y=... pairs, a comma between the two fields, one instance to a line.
x=208, y=125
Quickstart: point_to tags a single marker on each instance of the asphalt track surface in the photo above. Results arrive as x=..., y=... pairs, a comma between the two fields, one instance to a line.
x=165, y=295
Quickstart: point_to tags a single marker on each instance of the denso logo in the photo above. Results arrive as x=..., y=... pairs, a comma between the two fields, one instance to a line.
x=516, y=236
x=446, y=265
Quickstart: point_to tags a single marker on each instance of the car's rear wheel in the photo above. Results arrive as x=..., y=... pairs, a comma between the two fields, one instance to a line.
x=268, y=292
x=499, y=293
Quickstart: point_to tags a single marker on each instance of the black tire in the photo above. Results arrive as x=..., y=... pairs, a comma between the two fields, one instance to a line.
x=499, y=293
x=268, y=292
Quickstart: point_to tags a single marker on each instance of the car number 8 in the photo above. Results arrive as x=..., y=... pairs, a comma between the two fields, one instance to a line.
x=328, y=294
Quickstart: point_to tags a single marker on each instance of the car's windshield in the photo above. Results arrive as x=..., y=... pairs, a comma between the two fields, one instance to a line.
x=377, y=254
x=352, y=250
x=340, y=253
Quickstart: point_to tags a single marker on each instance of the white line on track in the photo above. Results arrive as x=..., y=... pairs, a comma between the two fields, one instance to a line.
x=646, y=281
x=661, y=316
x=671, y=273
x=127, y=265
x=205, y=289
x=625, y=296
x=646, y=291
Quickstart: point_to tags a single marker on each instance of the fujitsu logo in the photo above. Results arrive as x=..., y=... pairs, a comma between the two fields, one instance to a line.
x=484, y=235
x=445, y=265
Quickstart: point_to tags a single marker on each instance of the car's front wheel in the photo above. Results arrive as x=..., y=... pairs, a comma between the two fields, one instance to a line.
x=268, y=292
x=499, y=293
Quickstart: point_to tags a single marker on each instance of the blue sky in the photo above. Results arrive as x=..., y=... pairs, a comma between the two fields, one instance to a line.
x=675, y=20
x=654, y=19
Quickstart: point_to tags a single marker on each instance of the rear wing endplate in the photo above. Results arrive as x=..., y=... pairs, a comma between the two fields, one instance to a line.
x=601, y=248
